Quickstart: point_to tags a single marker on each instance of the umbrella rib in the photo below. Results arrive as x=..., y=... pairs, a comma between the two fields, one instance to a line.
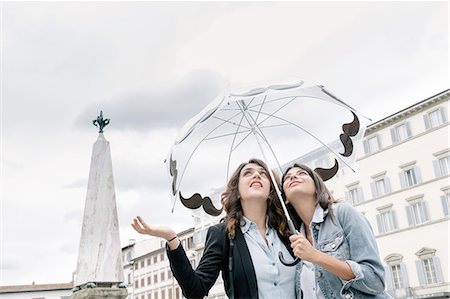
x=232, y=149
x=310, y=134
x=197, y=146
x=259, y=131
x=260, y=108
x=231, y=122
x=229, y=134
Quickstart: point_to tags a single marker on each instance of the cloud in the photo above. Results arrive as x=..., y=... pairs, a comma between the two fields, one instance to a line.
x=164, y=107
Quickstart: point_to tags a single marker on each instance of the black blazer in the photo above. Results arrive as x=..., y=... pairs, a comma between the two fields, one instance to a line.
x=196, y=284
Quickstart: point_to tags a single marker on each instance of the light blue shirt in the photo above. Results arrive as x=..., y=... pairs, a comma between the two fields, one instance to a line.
x=308, y=281
x=274, y=279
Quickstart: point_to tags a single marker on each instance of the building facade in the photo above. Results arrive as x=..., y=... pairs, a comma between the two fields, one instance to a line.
x=402, y=186
x=37, y=291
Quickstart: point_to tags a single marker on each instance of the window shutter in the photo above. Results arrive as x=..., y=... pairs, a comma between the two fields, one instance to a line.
x=437, y=267
x=366, y=146
x=420, y=272
x=418, y=175
x=404, y=275
x=378, y=142
x=388, y=275
x=347, y=197
x=402, y=179
x=437, y=168
x=380, y=226
x=394, y=218
x=444, y=205
x=409, y=216
x=408, y=129
x=360, y=194
x=373, y=187
x=394, y=136
x=387, y=184
x=444, y=116
x=426, y=119
x=424, y=210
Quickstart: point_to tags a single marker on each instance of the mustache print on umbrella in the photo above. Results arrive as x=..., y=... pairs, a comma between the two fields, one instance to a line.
x=196, y=201
x=349, y=130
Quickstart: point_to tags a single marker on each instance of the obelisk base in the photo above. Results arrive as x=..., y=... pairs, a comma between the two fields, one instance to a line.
x=101, y=293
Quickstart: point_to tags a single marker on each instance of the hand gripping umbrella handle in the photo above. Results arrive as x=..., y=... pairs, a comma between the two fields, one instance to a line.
x=280, y=254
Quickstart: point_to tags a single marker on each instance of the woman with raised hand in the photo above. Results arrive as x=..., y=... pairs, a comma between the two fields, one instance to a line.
x=244, y=246
x=336, y=245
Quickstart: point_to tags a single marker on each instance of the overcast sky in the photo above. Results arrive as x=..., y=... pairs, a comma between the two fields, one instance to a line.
x=151, y=66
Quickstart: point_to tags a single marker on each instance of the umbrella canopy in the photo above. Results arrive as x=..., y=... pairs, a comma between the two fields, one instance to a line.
x=276, y=123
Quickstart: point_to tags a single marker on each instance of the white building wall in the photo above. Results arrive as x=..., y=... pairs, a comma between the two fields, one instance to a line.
x=419, y=150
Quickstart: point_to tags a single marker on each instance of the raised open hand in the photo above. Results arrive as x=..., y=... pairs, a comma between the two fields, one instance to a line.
x=157, y=231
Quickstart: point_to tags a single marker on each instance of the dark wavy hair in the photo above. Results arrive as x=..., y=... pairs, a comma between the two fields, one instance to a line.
x=232, y=204
x=323, y=195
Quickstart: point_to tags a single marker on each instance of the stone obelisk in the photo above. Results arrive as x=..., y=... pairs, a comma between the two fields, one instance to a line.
x=99, y=271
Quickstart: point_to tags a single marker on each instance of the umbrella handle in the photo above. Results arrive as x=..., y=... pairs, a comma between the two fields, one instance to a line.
x=286, y=263
x=280, y=254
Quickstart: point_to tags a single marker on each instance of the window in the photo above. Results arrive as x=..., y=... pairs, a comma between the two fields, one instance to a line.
x=163, y=294
x=162, y=276
x=428, y=267
x=371, y=144
x=354, y=195
x=380, y=186
x=410, y=177
x=136, y=283
x=387, y=221
x=190, y=242
x=441, y=166
x=149, y=261
x=142, y=296
x=169, y=293
x=136, y=266
x=149, y=280
x=155, y=259
x=400, y=132
x=169, y=274
x=142, y=282
x=177, y=293
x=142, y=264
x=155, y=278
x=161, y=257
x=149, y=296
x=129, y=278
x=155, y=294
x=396, y=276
x=417, y=213
x=434, y=118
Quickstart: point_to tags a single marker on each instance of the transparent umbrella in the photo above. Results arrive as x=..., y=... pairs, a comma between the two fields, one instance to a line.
x=278, y=123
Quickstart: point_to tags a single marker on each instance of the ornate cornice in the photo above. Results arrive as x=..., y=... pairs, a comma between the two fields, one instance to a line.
x=409, y=111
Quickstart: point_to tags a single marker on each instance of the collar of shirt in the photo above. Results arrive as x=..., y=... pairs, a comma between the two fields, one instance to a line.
x=319, y=214
x=318, y=217
x=246, y=224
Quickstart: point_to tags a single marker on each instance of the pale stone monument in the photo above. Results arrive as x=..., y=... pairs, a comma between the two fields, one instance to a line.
x=99, y=271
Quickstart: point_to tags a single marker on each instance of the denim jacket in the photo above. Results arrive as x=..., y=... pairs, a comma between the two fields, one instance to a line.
x=346, y=235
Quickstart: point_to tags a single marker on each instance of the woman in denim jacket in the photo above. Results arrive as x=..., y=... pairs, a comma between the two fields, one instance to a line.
x=336, y=243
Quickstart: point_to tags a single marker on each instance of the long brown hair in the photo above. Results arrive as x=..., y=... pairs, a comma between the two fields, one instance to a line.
x=232, y=204
x=323, y=195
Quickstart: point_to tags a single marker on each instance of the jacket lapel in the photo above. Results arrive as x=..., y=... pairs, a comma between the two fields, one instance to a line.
x=242, y=256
